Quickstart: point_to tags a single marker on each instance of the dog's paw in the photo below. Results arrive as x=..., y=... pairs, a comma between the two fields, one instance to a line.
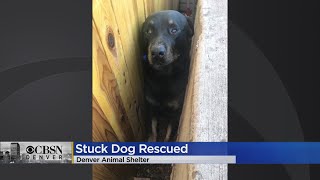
x=166, y=139
x=168, y=134
x=152, y=138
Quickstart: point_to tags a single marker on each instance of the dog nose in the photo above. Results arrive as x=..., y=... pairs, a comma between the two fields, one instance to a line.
x=158, y=51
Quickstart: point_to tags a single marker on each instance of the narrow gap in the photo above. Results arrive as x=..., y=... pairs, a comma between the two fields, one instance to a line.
x=163, y=171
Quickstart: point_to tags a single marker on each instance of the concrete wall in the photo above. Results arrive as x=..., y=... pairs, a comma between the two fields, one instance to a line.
x=205, y=113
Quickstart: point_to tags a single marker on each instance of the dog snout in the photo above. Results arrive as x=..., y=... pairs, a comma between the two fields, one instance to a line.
x=158, y=51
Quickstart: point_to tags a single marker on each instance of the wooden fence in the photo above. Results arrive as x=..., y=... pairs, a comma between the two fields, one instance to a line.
x=117, y=99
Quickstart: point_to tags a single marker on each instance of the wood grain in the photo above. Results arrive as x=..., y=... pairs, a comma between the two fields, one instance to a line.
x=117, y=96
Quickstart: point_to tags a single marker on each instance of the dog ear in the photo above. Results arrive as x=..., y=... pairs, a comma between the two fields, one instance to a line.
x=190, y=27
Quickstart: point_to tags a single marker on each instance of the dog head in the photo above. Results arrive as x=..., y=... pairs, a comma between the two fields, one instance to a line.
x=166, y=34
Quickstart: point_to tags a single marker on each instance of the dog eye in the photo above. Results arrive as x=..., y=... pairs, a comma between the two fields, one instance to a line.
x=173, y=30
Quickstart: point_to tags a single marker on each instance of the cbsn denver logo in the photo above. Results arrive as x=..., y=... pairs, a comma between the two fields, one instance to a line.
x=43, y=152
x=35, y=152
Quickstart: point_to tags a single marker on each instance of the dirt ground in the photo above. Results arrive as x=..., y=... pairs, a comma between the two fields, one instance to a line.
x=157, y=171
x=154, y=171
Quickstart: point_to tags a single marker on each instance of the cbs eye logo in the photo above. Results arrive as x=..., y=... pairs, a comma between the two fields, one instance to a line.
x=30, y=149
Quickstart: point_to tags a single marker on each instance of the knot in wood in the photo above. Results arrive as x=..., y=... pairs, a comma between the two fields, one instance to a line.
x=110, y=38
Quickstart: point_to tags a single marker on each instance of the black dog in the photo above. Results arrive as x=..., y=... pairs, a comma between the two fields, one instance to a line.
x=167, y=39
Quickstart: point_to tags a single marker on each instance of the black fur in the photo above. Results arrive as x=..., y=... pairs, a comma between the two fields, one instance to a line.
x=167, y=40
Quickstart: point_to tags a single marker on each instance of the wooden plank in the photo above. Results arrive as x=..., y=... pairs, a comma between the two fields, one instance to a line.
x=125, y=72
x=128, y=29
x=204, y=117
x=99, y=172
x=152, y=6
x=101, y=128
x=146, y=8
x=141, y=12
x=106, y=91
x=175, y=4
x=106, y=102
